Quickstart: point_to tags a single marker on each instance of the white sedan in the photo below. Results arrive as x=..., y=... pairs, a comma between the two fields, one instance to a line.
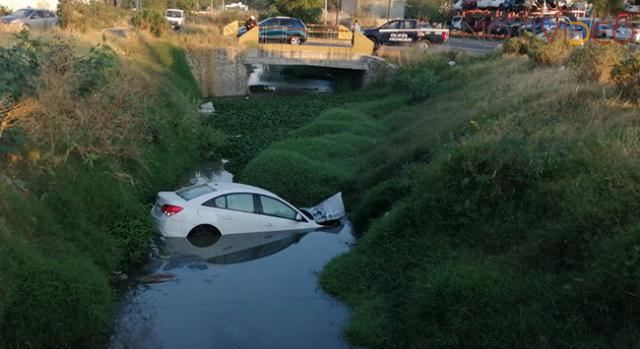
x=226, y=208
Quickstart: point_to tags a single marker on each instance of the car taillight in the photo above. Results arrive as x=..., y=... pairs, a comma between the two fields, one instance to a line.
x=170, y=210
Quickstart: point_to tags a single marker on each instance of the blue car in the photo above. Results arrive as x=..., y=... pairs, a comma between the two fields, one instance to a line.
x=281, y=29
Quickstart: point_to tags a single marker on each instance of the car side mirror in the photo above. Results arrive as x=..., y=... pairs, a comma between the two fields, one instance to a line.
x=299, y=217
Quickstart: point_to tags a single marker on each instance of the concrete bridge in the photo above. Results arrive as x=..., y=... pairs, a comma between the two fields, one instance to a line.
x=225, y=71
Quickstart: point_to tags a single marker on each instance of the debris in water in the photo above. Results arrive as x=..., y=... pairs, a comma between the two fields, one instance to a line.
x=157, y=278
x=207, y=108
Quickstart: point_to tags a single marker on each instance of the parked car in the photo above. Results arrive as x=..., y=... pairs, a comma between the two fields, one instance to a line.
x=469, y=4
x=28, y=18
x=226, y=208
x=281, y=29
x=456, y=23
x=604, y=31
x=629, y=32
x=632, y=6
x=175, y=17
x=483, y=3
x=406, y=31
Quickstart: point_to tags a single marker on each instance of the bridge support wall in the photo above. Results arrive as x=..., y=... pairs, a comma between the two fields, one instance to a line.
x=219, y=71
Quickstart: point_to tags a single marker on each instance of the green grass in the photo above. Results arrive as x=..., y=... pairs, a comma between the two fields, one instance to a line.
x=78, y=222
x=499, y=213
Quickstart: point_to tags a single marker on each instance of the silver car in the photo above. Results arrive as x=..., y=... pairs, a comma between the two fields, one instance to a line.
x=29, y=18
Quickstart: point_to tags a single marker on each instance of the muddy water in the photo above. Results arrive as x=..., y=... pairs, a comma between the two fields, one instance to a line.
x=243, y=291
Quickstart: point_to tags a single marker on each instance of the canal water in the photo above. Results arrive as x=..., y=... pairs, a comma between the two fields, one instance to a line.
x=257, y=291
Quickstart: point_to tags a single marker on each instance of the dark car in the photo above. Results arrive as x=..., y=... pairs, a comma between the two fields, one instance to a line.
x=406, y=31
x=281, y=29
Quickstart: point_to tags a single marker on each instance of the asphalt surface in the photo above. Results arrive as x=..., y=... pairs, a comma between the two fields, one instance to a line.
x=473, y=46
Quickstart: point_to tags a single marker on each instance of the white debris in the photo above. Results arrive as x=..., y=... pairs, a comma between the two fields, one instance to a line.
x=207, y=108
x=452, y=63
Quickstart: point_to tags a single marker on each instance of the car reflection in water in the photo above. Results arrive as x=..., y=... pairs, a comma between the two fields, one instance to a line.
x=230, y=249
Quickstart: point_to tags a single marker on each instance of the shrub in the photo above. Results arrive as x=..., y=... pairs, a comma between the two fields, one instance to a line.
x=151, y=21
x=4, y=10
x=555, y=52
x=523, y=45
x=597, y=61
x=82, y=16
x=421, y=83
x=626, y=76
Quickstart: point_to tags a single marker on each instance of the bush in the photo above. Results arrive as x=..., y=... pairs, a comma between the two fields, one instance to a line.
x=554, y=52
x=82, y=16
x=421, y=83
x=4, y=10
x=522, y=45
x=597, y=61
x=152, y=21
x=626, y=76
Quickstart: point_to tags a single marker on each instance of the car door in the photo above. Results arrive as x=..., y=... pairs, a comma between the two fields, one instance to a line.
x=232, y=214
x=385, y=32
x=37, y=20
x=266, y=28
x=277, y=216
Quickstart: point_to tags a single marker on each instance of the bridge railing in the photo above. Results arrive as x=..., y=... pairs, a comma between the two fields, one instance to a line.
x=280, y=39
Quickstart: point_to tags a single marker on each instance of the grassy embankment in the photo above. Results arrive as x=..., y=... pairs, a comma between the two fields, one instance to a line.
x=501, y=212
x=88, y=137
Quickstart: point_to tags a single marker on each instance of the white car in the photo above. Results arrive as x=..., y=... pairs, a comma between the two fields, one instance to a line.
x=29, y=18
x=175, y=17
x=226, y=208
x=483, y=3
x=457, y=6
x=632, y=6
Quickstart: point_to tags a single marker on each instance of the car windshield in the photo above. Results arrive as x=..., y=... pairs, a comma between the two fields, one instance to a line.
x=22, y=13
x=174, y=14
x=195, y=191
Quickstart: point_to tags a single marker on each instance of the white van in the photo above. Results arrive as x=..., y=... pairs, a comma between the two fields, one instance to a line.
x=175, y=17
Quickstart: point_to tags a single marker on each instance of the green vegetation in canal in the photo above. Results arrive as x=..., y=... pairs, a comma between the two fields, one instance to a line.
x=253, y=123
x=500, y=212
x=91, y=137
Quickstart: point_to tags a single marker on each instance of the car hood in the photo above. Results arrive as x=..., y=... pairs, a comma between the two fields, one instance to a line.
x=369, y=31
x=9, y=19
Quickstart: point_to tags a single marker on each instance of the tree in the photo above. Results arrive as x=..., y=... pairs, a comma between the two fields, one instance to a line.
x=434, y=10
x=307, y=10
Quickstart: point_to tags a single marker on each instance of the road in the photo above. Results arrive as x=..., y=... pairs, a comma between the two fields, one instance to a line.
x=473, y=46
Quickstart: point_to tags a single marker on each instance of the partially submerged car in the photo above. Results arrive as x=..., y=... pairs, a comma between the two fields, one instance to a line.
x=29, y=18
x=228, y=208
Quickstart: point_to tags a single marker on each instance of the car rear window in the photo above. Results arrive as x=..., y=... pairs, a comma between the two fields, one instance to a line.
x=195, y=191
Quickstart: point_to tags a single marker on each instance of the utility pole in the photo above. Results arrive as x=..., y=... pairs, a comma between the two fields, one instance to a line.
x=389, y=10
x=325, y=11
x=338, y=5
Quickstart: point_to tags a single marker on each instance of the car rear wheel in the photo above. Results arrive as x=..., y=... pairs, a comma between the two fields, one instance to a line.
x=295, y=40
x=204, y=235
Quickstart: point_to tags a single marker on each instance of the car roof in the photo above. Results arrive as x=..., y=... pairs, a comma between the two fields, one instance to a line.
x=175, y=9
x=225, y=187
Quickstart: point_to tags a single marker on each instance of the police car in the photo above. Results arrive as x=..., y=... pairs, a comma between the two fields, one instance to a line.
x=406, y=31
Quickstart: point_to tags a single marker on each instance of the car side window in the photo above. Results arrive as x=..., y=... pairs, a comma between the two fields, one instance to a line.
x=240, y=202
x=274, y=207
x=219, y=202
x=391, y=25
x=409, y=25
x=268, y=23
x=36, y=15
